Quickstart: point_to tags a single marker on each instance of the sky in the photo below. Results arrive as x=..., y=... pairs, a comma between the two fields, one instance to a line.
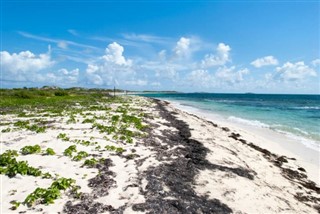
x=188, y=46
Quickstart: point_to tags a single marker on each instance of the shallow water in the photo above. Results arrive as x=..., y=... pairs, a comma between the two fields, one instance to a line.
x=297, y=116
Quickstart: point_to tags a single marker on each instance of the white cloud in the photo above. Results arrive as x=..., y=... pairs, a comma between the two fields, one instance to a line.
x=111, y=68
x=182, y=48
x=167, y=71
x=23, y=66
x=137, y=82
x=200, y=78
x=315, y=62
x=114, y=54
x=294, y=71
x=265, y=61
x=231, y=75
x=59, y=42
x=73, y=32
x=222, y=56
x=147, y=38
x=162, y=55
x=68, y=76
x=62, y=44
x=62, y=77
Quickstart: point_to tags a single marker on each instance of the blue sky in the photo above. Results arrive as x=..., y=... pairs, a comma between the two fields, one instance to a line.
x=212, y=46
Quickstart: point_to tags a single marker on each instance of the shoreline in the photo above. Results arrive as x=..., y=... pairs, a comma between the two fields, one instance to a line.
x=269, y=139
x=176, y=162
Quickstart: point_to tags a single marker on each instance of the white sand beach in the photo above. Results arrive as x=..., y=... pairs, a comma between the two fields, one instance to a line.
x=180, y=163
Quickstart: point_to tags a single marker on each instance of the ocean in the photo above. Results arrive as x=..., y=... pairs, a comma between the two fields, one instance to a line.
x=296, y=116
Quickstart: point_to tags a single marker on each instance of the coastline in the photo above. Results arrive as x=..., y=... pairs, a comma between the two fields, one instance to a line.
x=279, y=143
x=178, y=163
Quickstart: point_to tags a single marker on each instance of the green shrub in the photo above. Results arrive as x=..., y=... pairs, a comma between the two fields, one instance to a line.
x=50, y=151
x=21, y=123
x=61, y=93
x=47, y=196
x=90, y=162
x=30, y=150
x=23, y=95
x=80, y=156
x=115, y=149
x=5, y=130
x=36, y=128
x=68, y=152
x=12, y=167
x=88, y=120
x=63, y=136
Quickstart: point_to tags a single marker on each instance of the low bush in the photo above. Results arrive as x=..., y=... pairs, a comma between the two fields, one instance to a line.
x=27, y=150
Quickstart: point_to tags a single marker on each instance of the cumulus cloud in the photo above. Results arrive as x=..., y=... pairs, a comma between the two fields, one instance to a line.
x=162, y=55
x=265, y=61
x=201, y=77
x=68, y=76
x=114, y=54
x=24, y=66
x=221, y=57
x=315, y=62
x=137, y=82
x=294, y=71
x=61, y=77
x=24, y=61
x=182, y=48
x=231, y=75
x=111, y=68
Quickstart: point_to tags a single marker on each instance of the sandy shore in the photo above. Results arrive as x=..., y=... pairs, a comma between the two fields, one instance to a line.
x=306, y=157
x=178, y=163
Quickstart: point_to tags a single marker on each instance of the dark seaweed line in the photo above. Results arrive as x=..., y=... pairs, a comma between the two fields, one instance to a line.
x=179, y=175
x=295, y=176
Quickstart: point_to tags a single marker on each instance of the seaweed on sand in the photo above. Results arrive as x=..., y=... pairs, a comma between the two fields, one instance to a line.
x=179, y=175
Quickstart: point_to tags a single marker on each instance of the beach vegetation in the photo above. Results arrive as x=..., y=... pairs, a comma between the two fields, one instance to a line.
x=71, y=119
x=63, y=136
x=115, y=149
x=15, y=204
x=27, y=150
x=46, y=175
x=50, y=151
x=11, y=167
x=80, y=156
x=26, y=125
x=6, y=130
x=87, y=120
x=90, y=162
x=49, y=195
x=102, y=128
x=61, y=93
x=68, y=151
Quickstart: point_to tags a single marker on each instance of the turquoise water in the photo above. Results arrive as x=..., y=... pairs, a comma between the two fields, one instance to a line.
x=294, y=115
